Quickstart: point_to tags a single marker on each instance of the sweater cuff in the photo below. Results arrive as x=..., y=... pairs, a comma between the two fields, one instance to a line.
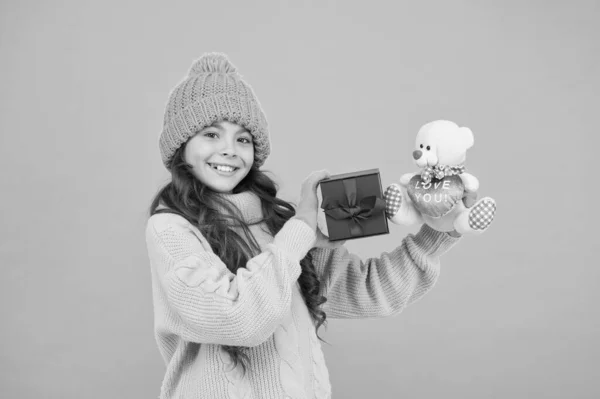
x=432, y=242
x=295, y=238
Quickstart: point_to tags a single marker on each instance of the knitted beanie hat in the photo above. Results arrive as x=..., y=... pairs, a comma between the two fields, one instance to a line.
x=212, y=91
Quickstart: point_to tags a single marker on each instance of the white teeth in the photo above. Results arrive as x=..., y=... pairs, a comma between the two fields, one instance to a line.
x=223, y=168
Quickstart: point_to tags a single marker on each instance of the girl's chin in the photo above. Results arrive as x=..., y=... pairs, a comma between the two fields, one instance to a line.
x=224, y=186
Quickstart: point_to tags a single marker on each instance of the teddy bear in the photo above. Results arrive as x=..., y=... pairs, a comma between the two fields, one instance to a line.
x=443, y=195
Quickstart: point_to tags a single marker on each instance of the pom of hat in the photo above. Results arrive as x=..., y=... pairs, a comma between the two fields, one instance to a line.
x=211, y=63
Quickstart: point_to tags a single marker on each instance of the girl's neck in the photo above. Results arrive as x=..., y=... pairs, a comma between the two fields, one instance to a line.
x=248, y=203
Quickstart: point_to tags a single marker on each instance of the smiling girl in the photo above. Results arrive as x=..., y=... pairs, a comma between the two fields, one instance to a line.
x=241, y=279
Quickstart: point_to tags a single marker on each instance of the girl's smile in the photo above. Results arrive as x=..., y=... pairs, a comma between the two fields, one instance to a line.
x=223, y=169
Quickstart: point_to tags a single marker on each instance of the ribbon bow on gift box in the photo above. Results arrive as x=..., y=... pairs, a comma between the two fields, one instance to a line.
x=347, y=208
x=440, y=171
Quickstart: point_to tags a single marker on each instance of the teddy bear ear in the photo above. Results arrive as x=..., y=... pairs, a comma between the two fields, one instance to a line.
x=467, y=137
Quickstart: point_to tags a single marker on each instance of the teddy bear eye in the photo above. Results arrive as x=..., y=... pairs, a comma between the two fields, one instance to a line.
x=428, y=148
x=421, y=145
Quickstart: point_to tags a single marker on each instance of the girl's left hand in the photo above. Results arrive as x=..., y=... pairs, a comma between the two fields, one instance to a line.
x=323, y=241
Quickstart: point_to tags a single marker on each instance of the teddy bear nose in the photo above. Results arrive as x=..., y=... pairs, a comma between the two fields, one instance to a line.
x=417, y=154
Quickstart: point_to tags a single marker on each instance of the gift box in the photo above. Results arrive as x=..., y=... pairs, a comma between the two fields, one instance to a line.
x=354, y=205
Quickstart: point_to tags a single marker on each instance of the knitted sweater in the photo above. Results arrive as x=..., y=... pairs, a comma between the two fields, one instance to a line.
x=200, y=305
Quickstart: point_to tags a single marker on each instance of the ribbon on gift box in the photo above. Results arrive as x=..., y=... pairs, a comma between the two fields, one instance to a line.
x=348, y=208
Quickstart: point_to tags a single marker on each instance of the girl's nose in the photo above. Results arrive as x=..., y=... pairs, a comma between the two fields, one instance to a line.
x=228, y=153
x=228, y=149
x=417, y=154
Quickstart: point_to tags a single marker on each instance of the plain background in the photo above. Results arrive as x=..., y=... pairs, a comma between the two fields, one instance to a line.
x=345, y=87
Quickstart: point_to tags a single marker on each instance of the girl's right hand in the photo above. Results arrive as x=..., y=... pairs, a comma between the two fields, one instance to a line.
x=308, y=206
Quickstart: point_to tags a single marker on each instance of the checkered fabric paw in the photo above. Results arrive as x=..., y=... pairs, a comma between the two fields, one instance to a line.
x=393, y=200
x=482, y=214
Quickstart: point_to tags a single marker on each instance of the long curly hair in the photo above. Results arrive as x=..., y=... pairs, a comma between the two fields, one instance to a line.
x=189, y=198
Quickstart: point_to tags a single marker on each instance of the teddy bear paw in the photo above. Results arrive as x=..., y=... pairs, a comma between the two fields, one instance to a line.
x=393, y=200
x=482, y=214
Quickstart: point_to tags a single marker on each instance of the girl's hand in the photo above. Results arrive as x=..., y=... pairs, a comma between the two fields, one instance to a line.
x=323, y=241
x=308, y=206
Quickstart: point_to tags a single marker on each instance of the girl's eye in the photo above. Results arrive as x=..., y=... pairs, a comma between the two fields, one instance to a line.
x=210, y=134
x=246, y=140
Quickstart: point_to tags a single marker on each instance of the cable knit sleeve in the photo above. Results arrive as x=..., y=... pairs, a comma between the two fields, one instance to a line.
x=199, y=299
x=380, y=287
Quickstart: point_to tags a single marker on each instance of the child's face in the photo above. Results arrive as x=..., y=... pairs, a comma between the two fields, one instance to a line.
x=223, y=143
